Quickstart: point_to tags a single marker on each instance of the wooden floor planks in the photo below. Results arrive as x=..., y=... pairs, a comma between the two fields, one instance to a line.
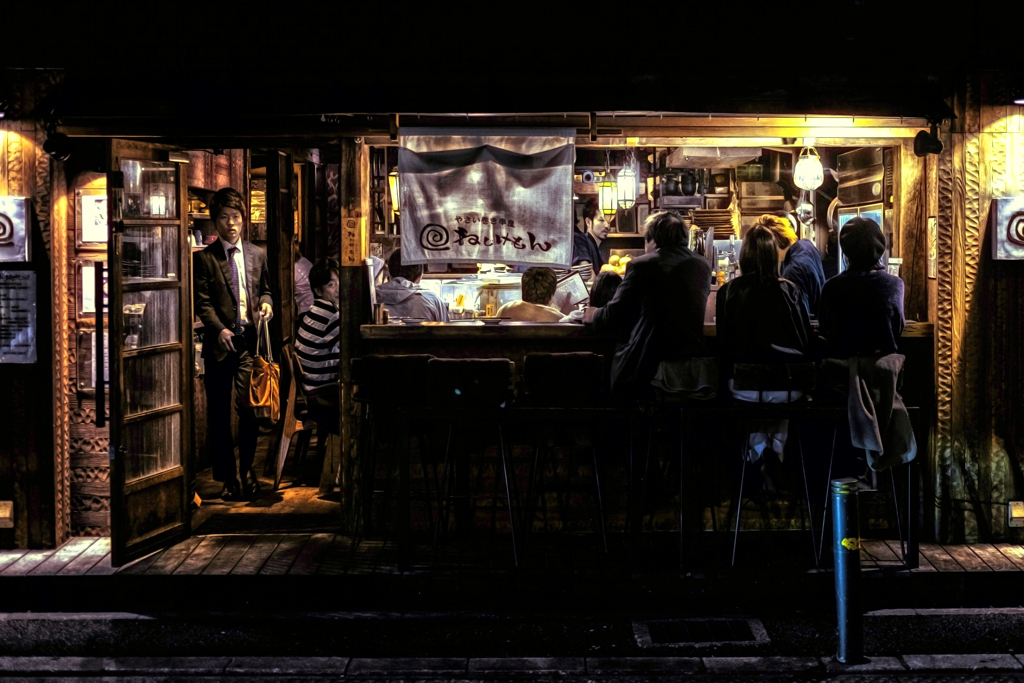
x=88, y=559
x=232, y=551
x=331, y=554
x=257, y=554
x=284, y=555
x=991, y=556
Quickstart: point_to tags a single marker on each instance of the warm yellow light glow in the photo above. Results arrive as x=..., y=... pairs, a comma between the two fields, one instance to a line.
x=626, y=188
x=396, y=201
x=808, y=174
x=608, y=197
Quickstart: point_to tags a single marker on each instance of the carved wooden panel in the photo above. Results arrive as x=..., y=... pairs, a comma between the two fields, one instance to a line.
x=943, y=457
x=980, y=312
x=61, y=348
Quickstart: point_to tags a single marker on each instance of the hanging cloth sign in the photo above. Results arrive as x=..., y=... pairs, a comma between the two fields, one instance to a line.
x=486, y=195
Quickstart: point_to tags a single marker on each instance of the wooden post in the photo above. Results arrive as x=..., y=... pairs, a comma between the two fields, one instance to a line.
x=354, y=202
x=280, y=233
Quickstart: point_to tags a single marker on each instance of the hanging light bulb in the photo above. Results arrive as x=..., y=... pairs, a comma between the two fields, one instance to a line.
x=809, y=174
x=626, y=183
x=606, y=190
x=626, y=188
x=396, y=202
x=608, y=196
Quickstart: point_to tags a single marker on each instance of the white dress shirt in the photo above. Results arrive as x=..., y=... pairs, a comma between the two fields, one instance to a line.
x=243, y=294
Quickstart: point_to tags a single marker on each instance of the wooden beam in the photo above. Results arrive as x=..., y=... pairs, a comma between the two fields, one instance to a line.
x=353, y=204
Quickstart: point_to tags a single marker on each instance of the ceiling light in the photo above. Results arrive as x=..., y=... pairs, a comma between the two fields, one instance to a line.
x=809, y=174
x=626, y=188
x=396, y=201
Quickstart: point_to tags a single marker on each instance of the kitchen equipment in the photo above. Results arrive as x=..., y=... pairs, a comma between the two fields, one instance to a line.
x=688, y=184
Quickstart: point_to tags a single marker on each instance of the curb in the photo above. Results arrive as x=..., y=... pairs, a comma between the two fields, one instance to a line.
x=611, y=667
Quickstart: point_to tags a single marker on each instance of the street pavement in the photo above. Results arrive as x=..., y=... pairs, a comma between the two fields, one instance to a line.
x=901, y=645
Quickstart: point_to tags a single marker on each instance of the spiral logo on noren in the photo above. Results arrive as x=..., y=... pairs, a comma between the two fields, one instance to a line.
x=434, y=237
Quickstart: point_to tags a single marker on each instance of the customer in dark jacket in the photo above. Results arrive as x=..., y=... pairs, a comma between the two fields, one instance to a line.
x=658, y=311
x=861, y=310
x=801, y=261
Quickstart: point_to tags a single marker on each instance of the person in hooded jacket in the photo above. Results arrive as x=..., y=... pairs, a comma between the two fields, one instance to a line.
x=404, y=298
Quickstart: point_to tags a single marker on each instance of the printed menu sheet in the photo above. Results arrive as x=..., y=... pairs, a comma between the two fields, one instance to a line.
x=17, y=316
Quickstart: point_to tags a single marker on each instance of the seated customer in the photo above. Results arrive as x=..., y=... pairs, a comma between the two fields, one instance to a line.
x=539, y=284
x=317, y=344
x=657, y=313
x=861, y=322
x=601, y=292
x=801, y=261
x=761, y=318
x=404, y=298
x=862, y=308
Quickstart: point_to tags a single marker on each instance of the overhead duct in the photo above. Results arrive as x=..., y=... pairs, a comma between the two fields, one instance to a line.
x=711, y=157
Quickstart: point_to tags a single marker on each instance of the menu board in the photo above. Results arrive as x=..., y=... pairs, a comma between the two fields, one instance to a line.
x=17, y=316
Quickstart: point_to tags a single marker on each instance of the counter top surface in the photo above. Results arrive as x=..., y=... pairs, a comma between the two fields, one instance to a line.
x=523, y=330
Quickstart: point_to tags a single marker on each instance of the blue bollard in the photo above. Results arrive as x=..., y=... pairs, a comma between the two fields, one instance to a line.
x=846, y=548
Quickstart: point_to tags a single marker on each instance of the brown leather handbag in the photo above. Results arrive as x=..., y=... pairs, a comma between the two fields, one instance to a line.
x=265, y=380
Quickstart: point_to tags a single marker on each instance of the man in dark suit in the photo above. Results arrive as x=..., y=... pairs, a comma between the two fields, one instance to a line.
x=231, y=284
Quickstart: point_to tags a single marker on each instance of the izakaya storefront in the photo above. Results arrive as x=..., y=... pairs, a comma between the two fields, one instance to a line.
x=67, y=475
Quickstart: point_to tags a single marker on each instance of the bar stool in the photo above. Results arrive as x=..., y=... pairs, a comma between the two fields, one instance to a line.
x=477, y=391
x=908, y=536
x=678, y=416
x=562, y=393
x=773, y=377
x=385, y=383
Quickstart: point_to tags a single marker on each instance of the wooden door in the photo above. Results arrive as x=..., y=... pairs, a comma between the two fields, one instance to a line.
x=151, y=350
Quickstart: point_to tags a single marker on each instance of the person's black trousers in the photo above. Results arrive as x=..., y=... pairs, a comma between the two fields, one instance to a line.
x=221, y=376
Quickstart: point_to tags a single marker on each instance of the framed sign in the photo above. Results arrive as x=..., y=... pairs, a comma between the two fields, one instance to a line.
x=17, y=316
x=14, y=237
x=85, y=288
x=91, y=219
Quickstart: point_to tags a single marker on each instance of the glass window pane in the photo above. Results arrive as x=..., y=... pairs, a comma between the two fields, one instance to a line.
x=150, y=254
x=150, y=318
x=152, y=446
x=151, y=382
x=150, y=189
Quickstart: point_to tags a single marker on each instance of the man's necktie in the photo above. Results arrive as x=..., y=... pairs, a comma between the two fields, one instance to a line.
x=233, y=267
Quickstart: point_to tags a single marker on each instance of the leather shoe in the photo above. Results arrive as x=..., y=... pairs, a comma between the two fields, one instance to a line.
x=231, y=491
x=250, y=485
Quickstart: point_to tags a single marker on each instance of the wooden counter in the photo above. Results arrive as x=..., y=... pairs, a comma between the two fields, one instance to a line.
x=539, y=331
x=516, y=340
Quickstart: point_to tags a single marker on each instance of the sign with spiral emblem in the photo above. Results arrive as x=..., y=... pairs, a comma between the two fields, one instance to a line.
x=487, y=196
x=13, y=229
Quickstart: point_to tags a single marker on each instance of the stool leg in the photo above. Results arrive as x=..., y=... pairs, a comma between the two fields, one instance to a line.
x=896, y=505
x=682, y=456
x=828, y=479
x=442, y=495
x=739, y=499
x=807, y=497
x=508, y=495
x=600, y=500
